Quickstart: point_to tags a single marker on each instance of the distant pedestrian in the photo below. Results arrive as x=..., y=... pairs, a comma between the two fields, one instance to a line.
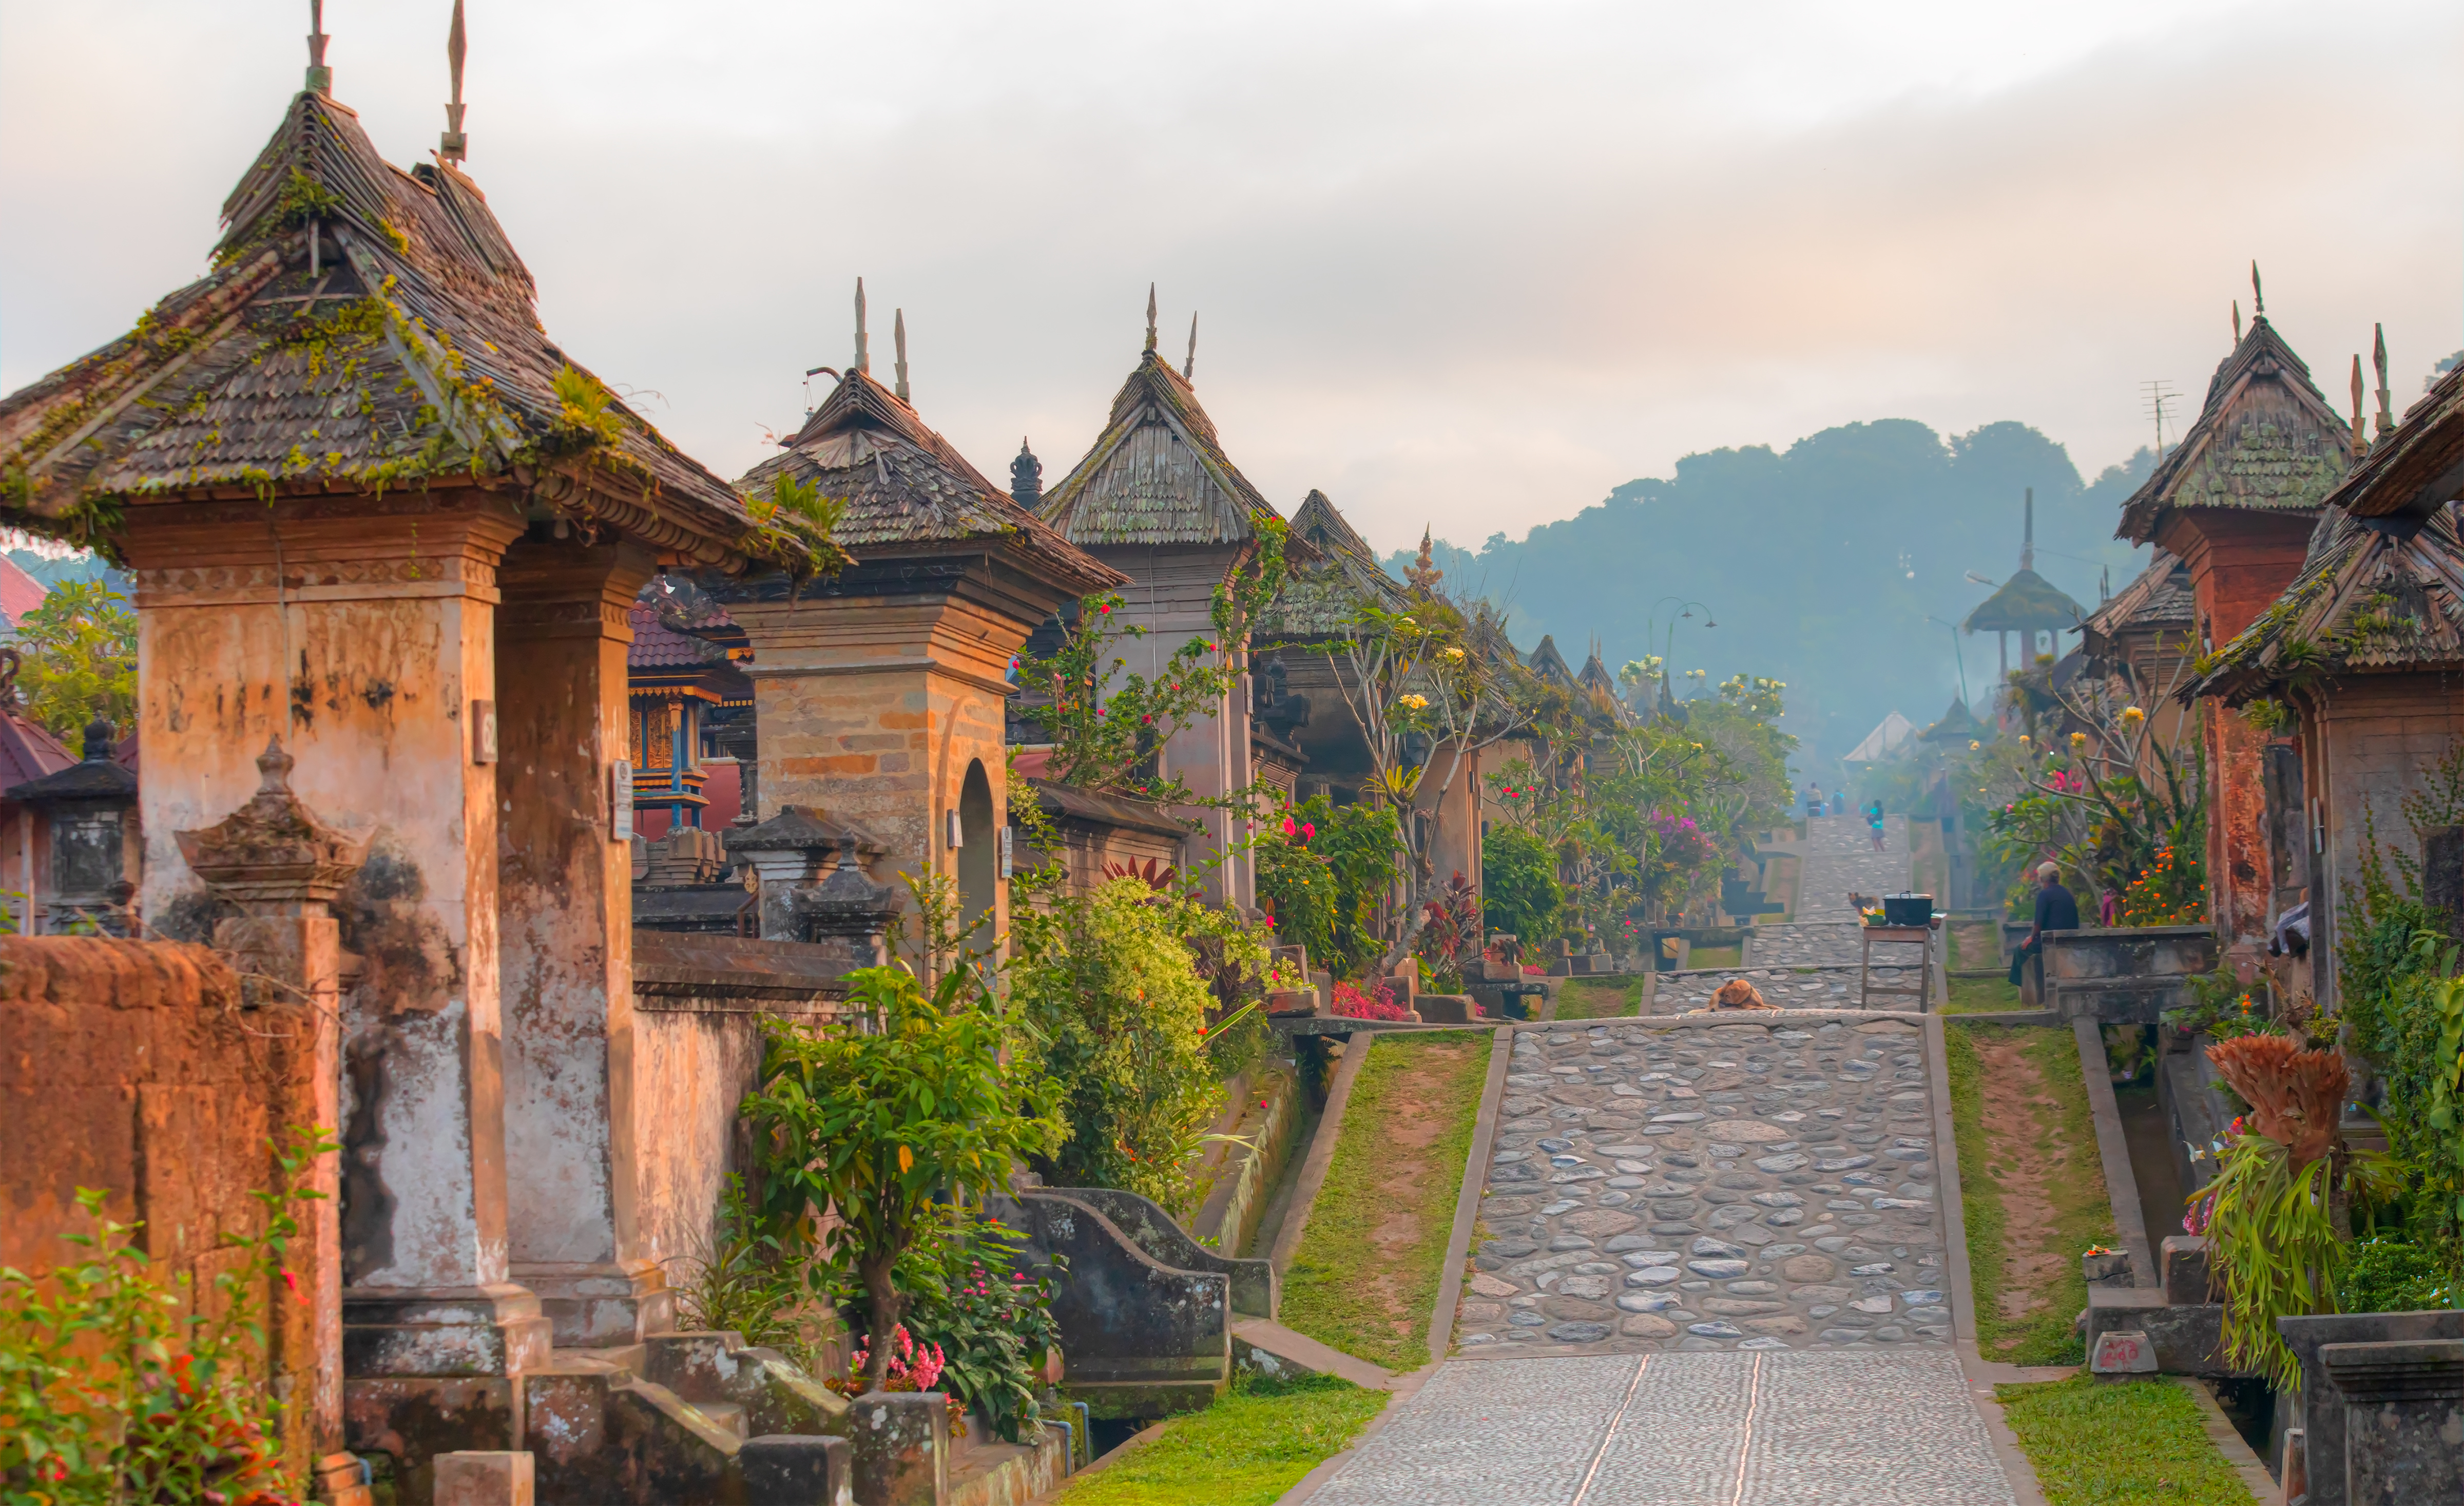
x=1874, y=823
x=2057, y=909
x=1839, y=804
x=1813, y=800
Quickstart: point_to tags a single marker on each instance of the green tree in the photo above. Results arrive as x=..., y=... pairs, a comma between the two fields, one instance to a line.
x=877, y=1126
x=1519, y=889
x=79, y=650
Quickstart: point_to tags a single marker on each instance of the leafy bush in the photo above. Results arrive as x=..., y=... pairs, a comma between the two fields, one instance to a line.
x=1120, y=1020
x=118, y=1386
x=80, y=659
x=881, y=1127
x=990, y=1324
x=1520, y=892
x=2391, y=1276
x=1324, y=873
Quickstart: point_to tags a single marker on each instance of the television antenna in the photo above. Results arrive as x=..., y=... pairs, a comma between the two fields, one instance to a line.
x=2157, y=395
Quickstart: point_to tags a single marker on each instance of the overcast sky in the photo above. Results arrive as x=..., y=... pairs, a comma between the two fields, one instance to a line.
x=1466, y=264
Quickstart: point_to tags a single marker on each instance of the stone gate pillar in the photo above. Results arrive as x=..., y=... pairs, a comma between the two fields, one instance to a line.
x=566, y=912
x=283, y=868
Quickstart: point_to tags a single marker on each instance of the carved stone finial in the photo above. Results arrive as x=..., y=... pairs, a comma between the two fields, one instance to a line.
x=454, y=145
x=274, y=848
x=1151, y=319
x=1026, y=477
x=320, y=79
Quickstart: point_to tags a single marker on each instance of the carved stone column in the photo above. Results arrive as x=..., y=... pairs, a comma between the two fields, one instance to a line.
x=284, y=868
x=573, y=1129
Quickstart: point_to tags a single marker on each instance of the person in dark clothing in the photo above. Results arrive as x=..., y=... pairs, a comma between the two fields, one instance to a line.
x=2057, y=909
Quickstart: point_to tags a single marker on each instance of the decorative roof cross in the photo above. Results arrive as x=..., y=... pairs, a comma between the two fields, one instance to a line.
x=453, y=146
x=320, y=79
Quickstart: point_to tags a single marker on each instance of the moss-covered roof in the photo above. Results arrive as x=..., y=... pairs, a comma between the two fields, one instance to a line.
x=900, y=484
x=2025, y=602
x=1157, y=475
x=1320, y=595
x=2265, y=439
x=2377, y=595
x=1958, y=724
x=363, y=327
x=2419, y=467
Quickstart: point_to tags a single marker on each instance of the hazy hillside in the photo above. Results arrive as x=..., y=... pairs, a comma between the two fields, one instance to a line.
x=1820, y=565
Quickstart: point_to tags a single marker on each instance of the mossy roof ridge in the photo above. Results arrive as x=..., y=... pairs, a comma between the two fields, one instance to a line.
x=1157, y=475
x=399, y=343
x=902, y=484
x=2025, y=602
x=2374, y=597
x=2417, y=468
x=2265, y=439
x=1321, y=595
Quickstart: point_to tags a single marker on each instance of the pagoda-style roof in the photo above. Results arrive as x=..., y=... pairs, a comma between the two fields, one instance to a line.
x=905, y=490
x=2159, y=600
x=1595, y=677
x=1157, y=475
x=1321, y=595
x=2265, y=441
x=2025, y=602
x=1957, y=725
x=2372, y=599
x=1550, y=665
x=2419, y=467
x=363, y=328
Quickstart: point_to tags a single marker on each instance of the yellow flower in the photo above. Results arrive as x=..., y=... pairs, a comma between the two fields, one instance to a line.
x=1973, y=746
x=1454, y=654
x=2023, y=737
x=1414, y=703
x=2132, y=715
x=2078, y=740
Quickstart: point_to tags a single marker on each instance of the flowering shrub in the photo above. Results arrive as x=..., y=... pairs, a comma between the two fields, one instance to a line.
x=1377, y=1003
x=988, y=1323
x=1449, y=935
x=2172, y=891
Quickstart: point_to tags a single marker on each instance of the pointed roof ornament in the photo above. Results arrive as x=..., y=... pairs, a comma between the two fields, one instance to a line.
x=1423, y=572
x=2378, y=359
x=1151, y=319
x=2360, y=443
x=320, y=79
x=2028, y=531
x=1026, y=477
x=2258, y=295
x=2236, y=303
x=1189, y=367
x=862, y=348
x=898, y=340
x=453, y=146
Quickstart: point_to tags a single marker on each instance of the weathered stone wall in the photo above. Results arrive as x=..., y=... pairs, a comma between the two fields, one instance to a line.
x=696, y=1062
x=133, y=1067
x=2367, y=744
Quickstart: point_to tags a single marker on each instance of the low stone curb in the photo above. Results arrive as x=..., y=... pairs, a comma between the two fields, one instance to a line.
x=1303, y=1353
x=1321, y=1154
x=1475, y=1178
x=2113, y=1149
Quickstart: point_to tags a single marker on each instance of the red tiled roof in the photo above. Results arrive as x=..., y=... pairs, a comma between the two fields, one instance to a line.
x=27, y=752
x=19, y=593
x=658, y=645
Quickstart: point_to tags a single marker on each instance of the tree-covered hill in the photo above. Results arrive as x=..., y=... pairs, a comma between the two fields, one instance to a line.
x=1820, y=562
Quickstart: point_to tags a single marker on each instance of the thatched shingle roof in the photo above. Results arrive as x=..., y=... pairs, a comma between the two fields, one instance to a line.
x=2419, y=467
x=1157, y=475
x=2025, y=602
x=2265, y=439
x=363, y=327
x=904, y=487
x=2158, y=599
x=1321, y=595
x=2377, y=595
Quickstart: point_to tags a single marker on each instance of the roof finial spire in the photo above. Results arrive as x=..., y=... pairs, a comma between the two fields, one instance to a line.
x=1151, y=317
x=863, y=347
x=453, y=146
x=2361, y=444
x=899, y=339
x=2028, y=531
x=1026, y=477
x=2378, y=358
x=1189, y=367
x=2236, y=321
x=320, y=79
x=2257, y=295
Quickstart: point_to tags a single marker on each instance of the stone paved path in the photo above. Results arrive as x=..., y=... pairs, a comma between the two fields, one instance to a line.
x=1711, y=1185
x=1841, y=1429
x=1839, y=861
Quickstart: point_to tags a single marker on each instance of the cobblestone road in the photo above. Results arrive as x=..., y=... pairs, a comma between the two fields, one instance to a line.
x=1839, y=861
x=1780, y=1429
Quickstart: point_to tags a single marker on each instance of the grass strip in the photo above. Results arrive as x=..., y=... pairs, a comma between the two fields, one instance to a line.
x=1346, y=1287
x=1976, y=995
x=2120, y=1443
x=1716, y=957
x=1600, y=998
x=2083, y=1212
x=1247, y=1450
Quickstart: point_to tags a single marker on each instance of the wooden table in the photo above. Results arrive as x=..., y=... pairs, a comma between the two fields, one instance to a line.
x=1915, y=935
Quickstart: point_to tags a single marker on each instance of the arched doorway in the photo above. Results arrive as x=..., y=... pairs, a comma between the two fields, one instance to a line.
x=978, y=854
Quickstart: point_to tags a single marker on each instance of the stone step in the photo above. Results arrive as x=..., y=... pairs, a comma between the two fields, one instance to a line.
x=727, y=1415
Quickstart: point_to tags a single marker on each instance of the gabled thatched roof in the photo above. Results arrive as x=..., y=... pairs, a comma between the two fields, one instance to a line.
x=1321, y=595
x=2159, y=599
x=1957, y=725
x=1157, y=475
x=2265, y=439
x=2419, y=467
x=2378, y=595
x=2025, y=602
x=363, y=327
x=905, y=488
x=1550, y=665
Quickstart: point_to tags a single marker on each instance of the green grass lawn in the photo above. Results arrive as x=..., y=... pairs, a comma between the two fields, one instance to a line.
x=1600, y=997
x=1715, y=957
x=2055, y=1143
x=1977, y=995
x=1247, y=1450
x=1365, y=1278
x=2121, y=1442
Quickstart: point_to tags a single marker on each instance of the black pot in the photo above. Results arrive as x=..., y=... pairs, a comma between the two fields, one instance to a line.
x=1908, y=909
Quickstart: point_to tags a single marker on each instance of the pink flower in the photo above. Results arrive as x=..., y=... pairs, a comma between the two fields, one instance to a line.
x=1308, y=831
